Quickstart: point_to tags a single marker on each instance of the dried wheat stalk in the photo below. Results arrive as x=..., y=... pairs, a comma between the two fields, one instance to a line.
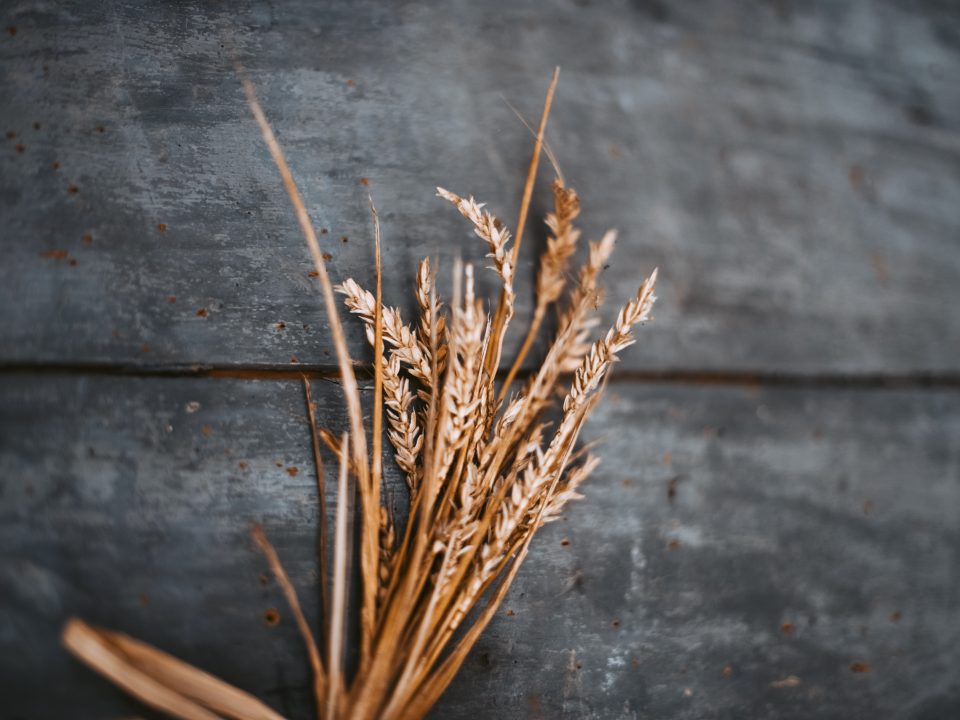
x=484, y=474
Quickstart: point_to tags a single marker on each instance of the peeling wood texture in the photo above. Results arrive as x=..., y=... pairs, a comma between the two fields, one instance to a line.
x=806, y=531
x=784, y=543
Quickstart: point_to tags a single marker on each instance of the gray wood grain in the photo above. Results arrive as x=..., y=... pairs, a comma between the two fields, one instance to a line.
x=793, y=169
x=835, y=512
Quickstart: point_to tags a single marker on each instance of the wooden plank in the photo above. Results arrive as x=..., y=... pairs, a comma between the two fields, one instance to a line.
x=130, y=503
x=795, y=172
x=807, y=531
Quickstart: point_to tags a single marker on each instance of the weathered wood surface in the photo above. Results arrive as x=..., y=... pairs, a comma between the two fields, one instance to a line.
x=834, y=512
x=794, y=169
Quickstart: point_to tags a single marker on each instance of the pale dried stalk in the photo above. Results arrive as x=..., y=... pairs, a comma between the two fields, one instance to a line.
x=350, y=389
x=315, y=440
x=338, y=622
x=159, y=679
x=371, y=549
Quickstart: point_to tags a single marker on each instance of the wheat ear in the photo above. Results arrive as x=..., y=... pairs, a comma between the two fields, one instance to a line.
x=551, y=279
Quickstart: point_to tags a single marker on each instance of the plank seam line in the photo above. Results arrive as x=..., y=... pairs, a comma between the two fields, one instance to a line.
x=743, y=378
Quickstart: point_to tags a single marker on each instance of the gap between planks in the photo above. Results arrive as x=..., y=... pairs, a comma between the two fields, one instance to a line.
x=745, y=378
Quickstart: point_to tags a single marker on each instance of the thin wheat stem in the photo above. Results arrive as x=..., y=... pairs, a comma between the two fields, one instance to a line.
x=338, y=621
x=319, y=676
x=501, y=315
x=315, y=441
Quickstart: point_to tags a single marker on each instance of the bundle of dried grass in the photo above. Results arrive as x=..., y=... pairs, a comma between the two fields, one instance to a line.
x=484, y=470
